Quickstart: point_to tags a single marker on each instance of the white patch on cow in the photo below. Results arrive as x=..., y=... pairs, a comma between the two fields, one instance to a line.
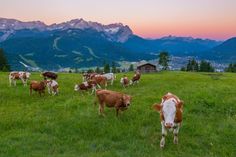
x=54, y=83
x=110, y=77
x=169, y=111
x=122, y=80
x=86, y=84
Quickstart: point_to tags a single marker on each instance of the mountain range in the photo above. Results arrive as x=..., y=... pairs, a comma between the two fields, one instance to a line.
x=79, y=43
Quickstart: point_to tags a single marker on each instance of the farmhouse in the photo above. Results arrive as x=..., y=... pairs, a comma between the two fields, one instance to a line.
x=147, y=68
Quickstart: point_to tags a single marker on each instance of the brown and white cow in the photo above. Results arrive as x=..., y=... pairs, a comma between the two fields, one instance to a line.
x=88, y=76
x=38, y=86
x=124, y=81
x=171, y=109
x=100, y=81
x=136, y=78
x=53, y=87
x=49, y=75
x=114, y=99
x=86, y=86
x=15, y=75
x=110, y=77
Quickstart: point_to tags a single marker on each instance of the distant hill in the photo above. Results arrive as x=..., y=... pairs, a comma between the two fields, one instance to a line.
x=225, y=51
x=80, y=43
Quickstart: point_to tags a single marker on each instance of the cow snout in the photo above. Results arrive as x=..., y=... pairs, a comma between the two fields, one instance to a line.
x=128, y=104
x=169, y=125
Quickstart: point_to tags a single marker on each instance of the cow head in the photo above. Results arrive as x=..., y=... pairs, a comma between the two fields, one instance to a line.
x=27, y=75
x=126, y=99
x=168, y=111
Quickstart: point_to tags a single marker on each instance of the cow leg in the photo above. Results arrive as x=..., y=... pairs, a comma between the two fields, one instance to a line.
x=99, y=86
x=10, y=81
x=101, y=108
x=23, y=81
x=49, y=90
x=112, y=81
x=26, y=82
x=57, y=91
x=164, y=133
x=93, y=90
x=14, y=82
x=105, y=85
x=30, y=91
x=40, y=93
x=117, y=112
x=176, y=132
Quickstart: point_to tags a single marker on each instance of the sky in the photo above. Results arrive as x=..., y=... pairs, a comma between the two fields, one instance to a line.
x=214, y=19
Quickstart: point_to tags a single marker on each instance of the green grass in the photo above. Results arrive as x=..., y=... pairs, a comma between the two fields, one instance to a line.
x=68, y=125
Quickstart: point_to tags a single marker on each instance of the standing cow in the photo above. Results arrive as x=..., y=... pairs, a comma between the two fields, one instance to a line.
x=136, y=78
x=86, y=86
x=110, y=77
x=49, y=75
x=38, y=86
x=100, y=80
x=88, y=76
x=171, y=109
x=53, y=87
x=114, y=99
x=23, y=76
x=124, y=81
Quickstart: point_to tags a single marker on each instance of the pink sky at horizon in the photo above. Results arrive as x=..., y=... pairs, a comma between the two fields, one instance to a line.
x=214, y=19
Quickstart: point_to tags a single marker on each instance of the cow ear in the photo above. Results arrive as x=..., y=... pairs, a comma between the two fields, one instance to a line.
x=157, y=107
x=180, y=104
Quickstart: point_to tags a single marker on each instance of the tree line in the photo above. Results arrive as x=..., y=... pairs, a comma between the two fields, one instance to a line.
x=4, y=66
x=163, y=60
x=195, y=66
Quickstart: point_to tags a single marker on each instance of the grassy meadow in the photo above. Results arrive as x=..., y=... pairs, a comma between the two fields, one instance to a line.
x=68, y=125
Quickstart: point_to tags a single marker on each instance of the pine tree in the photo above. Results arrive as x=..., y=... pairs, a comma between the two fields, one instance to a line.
x=113, y=67
x=106, y=68
x=164, y=58
x=76, y=70
x=183, y=69
x=231, y=68
x=4, y=66
x=131, y=67
x=98, y=70
x=188, y=67
x=196, y=67
x=206, y=67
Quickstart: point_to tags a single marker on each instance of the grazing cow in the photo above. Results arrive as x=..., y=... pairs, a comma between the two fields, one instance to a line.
x=52, y=87
x=112, y=99
x=38, y=86
x=100, y=81
x=124, y=81
x=85, y=86
x=170, y=109
x=110, y=77
x=88, y=76
x=136, y=78
x=23, y=76
x=49, y=75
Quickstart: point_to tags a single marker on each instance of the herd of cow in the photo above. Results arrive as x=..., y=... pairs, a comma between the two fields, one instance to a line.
x=170, y=108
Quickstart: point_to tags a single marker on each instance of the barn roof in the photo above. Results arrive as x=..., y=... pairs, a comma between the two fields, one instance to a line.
x=143, y=64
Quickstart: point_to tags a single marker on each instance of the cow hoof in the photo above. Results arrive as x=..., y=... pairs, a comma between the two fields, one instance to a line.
x=162, y=146
x=175, y=141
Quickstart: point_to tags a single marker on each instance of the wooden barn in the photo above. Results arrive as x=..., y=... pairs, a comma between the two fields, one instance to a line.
x=147, y=68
